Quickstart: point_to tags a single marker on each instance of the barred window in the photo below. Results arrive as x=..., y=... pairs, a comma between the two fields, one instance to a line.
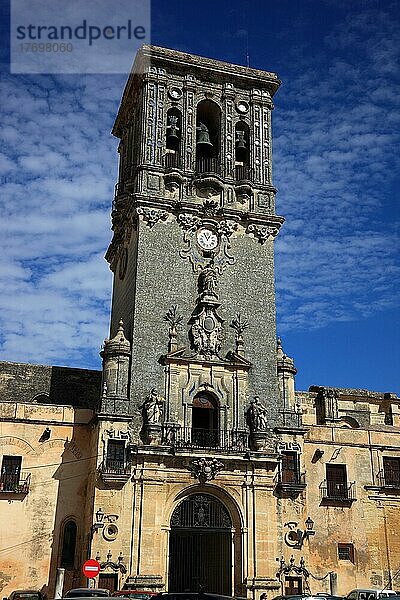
x=346, y=552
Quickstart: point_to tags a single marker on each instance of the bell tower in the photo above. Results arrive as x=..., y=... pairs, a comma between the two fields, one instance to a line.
x=194, y=223
x=195, y=404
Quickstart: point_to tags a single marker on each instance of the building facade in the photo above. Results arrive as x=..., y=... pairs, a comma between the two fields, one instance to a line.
x=191, y=462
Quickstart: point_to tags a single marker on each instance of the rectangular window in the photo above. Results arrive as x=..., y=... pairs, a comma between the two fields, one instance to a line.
x=346, y=552
x=290, y=468
x=10, y=473
x=115, y=458
x=391, y=470
x=336, y=481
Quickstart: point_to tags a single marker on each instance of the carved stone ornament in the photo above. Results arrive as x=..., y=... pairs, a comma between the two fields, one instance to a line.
x=239, y=324
x=206, y=325
x=116, y=435
x=114, y=566
x=175, y=322
x=197, y=256
x=262, y=232
x=152, y=215
x=291, y=567
x=188, y=221
x=205, y=469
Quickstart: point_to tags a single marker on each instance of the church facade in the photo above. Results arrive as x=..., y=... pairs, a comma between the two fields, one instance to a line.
x=191, y=462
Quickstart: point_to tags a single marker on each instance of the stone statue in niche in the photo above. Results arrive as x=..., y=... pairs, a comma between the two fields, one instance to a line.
x=208, y=282
x=257, y=415
x=152, y=408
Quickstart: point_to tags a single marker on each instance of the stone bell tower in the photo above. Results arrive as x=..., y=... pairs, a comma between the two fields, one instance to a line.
x=194, y=223
x=193, y=409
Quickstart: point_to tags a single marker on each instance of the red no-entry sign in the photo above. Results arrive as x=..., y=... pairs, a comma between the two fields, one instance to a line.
x=91, y=568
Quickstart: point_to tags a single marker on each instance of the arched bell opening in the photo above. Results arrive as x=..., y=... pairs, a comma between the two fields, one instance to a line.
x=200, y=546
x=205, y=420
x=242, y=151
x=173, y=138
x=208, y=138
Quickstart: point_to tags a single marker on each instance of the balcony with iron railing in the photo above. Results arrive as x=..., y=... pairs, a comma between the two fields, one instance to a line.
x=208, y=165
x=172, y=160
x=242, y=173
x=389, y=478
x=337, y=492
x=290, y=481
x=115, y=471
x=206, y=439
x=15, y=483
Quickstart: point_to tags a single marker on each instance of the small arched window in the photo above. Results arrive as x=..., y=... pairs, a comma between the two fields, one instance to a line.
x=68, y=545
x=205, y=426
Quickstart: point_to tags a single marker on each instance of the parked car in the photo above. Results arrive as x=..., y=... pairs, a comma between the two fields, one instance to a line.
x=365, y=594
x=298, y=597
x=193, y=596
x=87, y=593
x=135, y=594
x=25, y=595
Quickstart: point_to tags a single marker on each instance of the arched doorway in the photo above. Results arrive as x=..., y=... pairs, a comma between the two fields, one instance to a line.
x=205, y=427
x=200, y=546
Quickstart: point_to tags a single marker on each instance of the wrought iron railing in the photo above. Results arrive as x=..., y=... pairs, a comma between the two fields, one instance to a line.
x=290, y=478
x=172, y=160
x=242, y=173
x=17, y=484
x=207, y=165
x=389, y=477
x=188, y=437
x=115, y=467
x=337, y=491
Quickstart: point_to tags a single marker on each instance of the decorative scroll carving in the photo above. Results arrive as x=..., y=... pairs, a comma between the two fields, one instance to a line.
x=224, y=228
x=287, y=569
x=227, y=227
x=262, y=232
x=188, y=221
x=205, y=469
x=152, y=215
x=114, y=566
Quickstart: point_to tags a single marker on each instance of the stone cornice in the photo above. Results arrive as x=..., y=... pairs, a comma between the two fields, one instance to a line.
x=153, y=210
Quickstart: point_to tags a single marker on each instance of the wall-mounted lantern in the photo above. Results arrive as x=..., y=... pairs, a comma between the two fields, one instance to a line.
x=295, y=537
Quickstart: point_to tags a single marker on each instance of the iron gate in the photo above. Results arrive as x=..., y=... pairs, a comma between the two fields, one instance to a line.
x=200, y=547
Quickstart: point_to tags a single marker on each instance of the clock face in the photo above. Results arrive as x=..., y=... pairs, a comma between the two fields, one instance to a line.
x=207, y=239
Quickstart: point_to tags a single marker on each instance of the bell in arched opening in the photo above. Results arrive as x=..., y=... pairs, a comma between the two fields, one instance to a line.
x=203, y=136
x=173, y=131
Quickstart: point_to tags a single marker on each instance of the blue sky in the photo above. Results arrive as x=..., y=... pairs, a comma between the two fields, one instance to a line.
x=336, y=166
